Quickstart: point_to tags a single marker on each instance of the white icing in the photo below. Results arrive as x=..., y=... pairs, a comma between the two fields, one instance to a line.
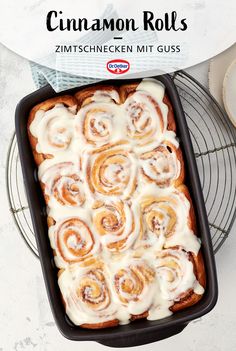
x=160, y=167
x=106, y=96
x=78, y=310
x=54, y=129
x=175, y=274
x=137, y=300
x=77, y=143
x=156, y=297
x=99, y=123
x=118, y=172
x=125, y=229
x=183, y=235
x=63, y=182
x=73, y=234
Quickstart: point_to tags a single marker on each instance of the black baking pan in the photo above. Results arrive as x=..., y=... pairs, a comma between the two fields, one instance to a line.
x=141, y=331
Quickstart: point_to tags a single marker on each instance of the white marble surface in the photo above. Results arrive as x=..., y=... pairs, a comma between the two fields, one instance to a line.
x=26, y=322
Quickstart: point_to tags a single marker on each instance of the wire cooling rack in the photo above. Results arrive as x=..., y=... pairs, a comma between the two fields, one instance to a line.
x=214, y=143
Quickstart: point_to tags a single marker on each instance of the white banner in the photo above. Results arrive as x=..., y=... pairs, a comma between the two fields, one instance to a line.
x=106, y=38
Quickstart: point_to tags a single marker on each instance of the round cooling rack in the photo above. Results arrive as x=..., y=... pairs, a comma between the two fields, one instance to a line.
x=214, y=143
x=17, y=197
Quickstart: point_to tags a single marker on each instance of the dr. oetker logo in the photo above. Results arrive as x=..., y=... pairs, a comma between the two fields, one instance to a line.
x=118, y=66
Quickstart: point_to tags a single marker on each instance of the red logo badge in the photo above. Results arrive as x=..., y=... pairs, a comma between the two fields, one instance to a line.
x=118, y=66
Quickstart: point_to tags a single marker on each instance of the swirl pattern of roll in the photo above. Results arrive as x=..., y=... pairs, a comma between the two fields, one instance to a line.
x=87, y=296
x=117, y=226
x=50, y=126
x=169, y=220
x=73, y=241
x=148, y=118
x=96, y=123
x=164, y=165
x=112, y=171
x=96, y=119
x=145, y=119
x=63, y=182
x=177, y=273
x=134, y=287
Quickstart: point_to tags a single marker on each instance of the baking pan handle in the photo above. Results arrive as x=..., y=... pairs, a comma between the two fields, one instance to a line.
x=141, y=339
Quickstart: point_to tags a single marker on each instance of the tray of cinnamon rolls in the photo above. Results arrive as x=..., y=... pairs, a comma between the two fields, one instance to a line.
x=117, y=209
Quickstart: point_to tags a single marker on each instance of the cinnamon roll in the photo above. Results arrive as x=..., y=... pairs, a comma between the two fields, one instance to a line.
x=100, y=119
x=87, y=296
x=145, y=120
x=168, y=220
x=130, y=282
x=112, y=171
x=116, y=224
x=178, y=278
x=96, y=122
x=62, y=182
x=147, y=113
x=72, y=241
x=50, y=126
x=164, y=165
x=134, y=285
